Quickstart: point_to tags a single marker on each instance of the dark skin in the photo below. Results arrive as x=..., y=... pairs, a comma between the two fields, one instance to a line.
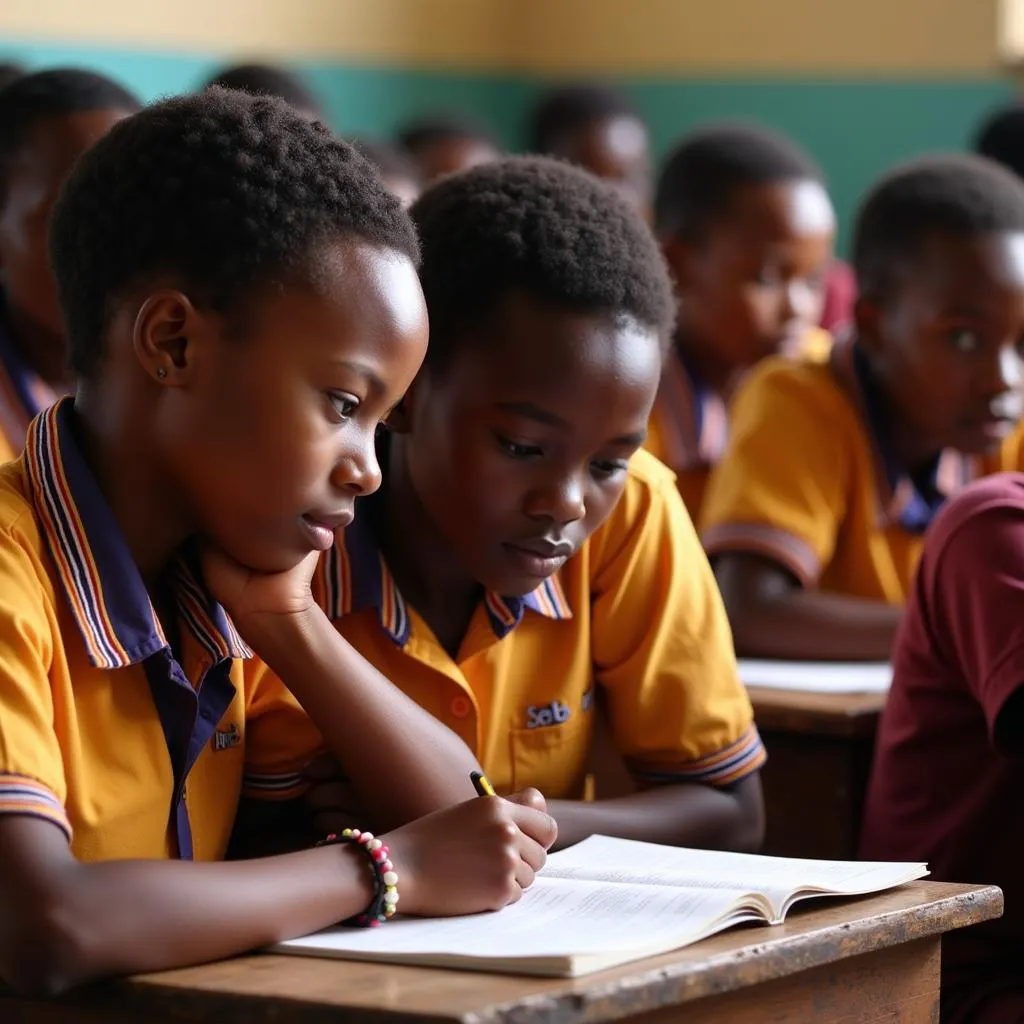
x=945, y=345
x=292, y=393
x=527, y=436
x=26, y=203
x=452, y=155
x=617, y=150
x=754, y=283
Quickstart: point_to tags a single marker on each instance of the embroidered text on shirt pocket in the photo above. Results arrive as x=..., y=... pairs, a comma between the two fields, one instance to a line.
x=552, y=758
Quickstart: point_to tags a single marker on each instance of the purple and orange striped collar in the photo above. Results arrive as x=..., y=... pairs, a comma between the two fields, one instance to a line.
x=694, y=419
x=105, y=592
x=353, y=576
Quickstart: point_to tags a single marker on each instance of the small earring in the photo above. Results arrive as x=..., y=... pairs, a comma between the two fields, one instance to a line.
x=161, y=373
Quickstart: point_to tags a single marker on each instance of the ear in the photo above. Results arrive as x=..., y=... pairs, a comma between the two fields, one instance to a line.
x=680, y=257
x=164, y=325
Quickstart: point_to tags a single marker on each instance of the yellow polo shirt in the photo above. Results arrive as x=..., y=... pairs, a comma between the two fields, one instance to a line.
x=635, y=611
x=807, y=481
x=689, y=425
x=102, y=730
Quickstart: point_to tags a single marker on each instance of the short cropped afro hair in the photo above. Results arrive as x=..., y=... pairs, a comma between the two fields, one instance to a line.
x=219, y=191
x=269, y=80
x=701, y=176
x=1002, y=138
x=542, y=226
x=958, y=195
x=571, y=108
x=28, y=99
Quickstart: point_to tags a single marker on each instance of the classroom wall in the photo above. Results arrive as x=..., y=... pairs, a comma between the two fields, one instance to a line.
x=862, y=84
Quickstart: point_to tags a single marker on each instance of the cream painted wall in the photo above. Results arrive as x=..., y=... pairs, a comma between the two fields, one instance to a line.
x=794, y=37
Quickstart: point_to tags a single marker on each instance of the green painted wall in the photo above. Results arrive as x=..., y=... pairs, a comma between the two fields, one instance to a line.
x=856, y=128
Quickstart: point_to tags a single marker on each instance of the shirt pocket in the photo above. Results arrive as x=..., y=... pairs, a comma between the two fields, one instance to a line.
x=552, y=758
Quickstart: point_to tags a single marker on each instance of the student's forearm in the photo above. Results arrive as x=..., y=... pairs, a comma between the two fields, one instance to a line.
x=812, y=624
x=123, y=917
x=401, y=762
x=687, y=814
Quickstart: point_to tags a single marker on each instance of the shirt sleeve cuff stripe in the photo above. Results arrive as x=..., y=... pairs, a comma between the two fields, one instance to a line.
x=756, y=538
x=741, y=758
x=20, y=794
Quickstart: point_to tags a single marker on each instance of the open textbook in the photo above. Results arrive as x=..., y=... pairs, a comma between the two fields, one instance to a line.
x=817, y=676
x=607, y=902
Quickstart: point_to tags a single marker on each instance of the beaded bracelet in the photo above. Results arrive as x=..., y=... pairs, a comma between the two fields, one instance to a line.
x=385, y=879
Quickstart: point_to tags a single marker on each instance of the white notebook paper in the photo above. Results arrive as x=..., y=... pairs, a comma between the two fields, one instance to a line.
x=817, y=676
x=607, y=902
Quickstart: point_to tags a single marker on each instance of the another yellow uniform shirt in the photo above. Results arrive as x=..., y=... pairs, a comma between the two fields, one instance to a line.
x=102, y=730
x=807, y=481
x=689, y=424
x=635, y=611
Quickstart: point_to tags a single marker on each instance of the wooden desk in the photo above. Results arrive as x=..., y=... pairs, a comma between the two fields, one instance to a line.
x=870, y=959
x=819, y=757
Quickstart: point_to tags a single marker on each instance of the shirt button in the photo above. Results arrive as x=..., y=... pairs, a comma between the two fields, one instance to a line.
x=461, y=707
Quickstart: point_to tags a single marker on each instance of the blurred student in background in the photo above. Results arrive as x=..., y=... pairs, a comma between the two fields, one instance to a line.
x=400, y=175
x=1001, y=138
x=270, y=80
x=47, y=120
x=814, y=518
x=597, y=128
x=446, y=144
x=9, y=71
x=747, y=228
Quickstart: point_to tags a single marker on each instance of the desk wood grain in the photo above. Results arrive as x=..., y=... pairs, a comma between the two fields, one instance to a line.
x=844, y=960
x=822, y=714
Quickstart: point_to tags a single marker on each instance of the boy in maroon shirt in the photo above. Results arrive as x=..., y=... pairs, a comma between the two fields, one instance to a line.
x=949, y=761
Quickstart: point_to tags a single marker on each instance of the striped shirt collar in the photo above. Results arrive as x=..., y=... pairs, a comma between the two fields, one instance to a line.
x=23, y=393
x=105, y=592
x=899, y=499
x=693, y=418
x=353, y=576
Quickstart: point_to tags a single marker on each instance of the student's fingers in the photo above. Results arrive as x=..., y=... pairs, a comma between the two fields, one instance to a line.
x=324, y=768
x=529, y=797
x=532, y=853
x=537, y=825
x=525, y=876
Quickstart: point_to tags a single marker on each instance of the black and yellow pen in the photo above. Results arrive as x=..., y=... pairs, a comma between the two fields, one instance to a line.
x=481, y=785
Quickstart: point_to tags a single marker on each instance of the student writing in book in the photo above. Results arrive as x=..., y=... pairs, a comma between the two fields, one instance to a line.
x=814, y=517
x=949, y=758
x=243, y=311
x=522, y=553
x=47, y=120
x=747, y=228
x=597, y=128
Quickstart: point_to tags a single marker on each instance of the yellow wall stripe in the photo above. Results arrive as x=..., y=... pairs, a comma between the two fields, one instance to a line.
x=664, y=37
